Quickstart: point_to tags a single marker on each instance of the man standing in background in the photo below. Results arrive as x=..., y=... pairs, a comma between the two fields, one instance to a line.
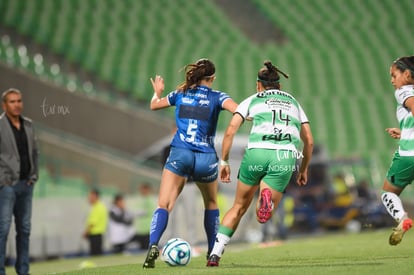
x=96, y=224
x=18, y=174
x=147, y=202
x=121, y=228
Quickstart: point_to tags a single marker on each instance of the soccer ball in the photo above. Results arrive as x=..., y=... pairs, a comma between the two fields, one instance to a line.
x=176, y=252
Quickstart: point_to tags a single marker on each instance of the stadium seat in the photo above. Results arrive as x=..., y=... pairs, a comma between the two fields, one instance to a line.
x=336, y=52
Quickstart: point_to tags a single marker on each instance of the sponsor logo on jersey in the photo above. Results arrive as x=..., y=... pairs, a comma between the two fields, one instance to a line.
x=188, y=100
x=204, y=102
x=273, y=92
x=275, y=103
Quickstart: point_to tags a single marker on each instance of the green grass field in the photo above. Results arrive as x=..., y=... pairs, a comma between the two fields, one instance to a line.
x=364, y=253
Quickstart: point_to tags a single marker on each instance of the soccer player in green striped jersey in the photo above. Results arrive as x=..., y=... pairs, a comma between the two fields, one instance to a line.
x=279, y=124
x=401, y=171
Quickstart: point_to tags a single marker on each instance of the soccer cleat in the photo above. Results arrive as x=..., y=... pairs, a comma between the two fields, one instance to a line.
x=266, y=206
x=152, y=255
x=213, y=260
x=398, y=232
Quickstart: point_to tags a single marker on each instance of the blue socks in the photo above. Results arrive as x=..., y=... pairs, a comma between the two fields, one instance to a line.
x=211, y=225
x=158, y=225
x=160, y=220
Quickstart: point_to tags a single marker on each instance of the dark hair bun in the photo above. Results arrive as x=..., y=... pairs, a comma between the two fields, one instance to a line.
x=268, y=65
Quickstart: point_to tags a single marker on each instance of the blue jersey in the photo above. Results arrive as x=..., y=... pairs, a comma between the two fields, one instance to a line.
x=196, y=115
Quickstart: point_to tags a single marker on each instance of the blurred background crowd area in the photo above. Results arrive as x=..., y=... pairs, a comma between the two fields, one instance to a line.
x=84, y=67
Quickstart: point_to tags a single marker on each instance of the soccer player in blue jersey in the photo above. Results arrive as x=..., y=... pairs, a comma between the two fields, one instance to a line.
x=192, y=152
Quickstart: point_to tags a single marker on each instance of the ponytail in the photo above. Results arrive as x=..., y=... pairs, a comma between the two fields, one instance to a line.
x=194, y=73
x=269, y=75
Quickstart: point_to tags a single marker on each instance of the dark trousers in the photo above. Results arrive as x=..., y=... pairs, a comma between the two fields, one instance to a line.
x=16, y=201
x=95, y=244
x=141, y=240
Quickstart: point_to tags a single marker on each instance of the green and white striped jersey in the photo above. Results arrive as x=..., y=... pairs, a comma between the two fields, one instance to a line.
x=277, y=119
x=406, y=120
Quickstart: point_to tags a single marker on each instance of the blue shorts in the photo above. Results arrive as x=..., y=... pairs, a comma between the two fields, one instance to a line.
x=196, y=166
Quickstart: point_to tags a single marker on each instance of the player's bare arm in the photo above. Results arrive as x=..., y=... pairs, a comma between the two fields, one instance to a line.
x=230, y=105
x=394, y=132
x=307, y=138
x=409, y=104
x=158, y=102
x=231, y=131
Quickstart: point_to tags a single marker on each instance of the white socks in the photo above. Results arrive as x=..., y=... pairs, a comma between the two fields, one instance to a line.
x=221, y=242
x=393, y=205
